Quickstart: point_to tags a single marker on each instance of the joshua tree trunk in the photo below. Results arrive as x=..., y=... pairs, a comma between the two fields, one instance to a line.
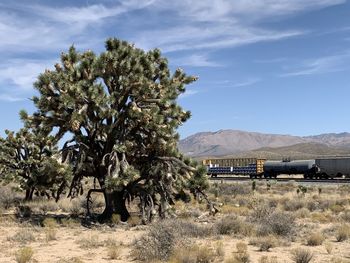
x=29, y=194
x=114, y=204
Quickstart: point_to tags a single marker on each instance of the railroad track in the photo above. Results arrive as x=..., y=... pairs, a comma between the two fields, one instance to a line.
x=298, y=180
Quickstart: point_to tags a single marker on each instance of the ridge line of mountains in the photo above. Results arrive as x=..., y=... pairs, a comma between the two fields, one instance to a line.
x=237, y=143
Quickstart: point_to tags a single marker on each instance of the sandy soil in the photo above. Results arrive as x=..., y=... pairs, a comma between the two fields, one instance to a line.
x=68, y=245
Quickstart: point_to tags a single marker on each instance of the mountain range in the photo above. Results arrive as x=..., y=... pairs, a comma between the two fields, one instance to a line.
x=236, y=143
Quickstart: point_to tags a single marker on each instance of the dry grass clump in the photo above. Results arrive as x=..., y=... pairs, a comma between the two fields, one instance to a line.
x=23, y=236
x=321, y=217
x=24, y=255
x=315, y=239
x=92, y=241
x=42, y=206
x=71, y=260
x=231, y=224
x=50, y=234
x=241, y=256
x=329, y=247
x=300, y=255
x=266, y=259
x=302, y=213
x=113, y=252
x=50, y=222
x=264, y=243
x=342, y=232
x=70, y=222
x=193, y=254
x=50, y=225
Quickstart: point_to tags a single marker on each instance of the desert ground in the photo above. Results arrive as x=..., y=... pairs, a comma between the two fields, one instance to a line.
x=257, y=222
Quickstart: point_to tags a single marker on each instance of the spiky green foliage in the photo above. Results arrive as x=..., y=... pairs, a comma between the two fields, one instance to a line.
x=28, y=158
x=121, y=108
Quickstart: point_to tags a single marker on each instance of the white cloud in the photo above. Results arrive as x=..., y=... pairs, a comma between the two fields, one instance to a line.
x=188, y=25
x=22, y=73
x=10, y=98
x=188, y=93
x=248, y=82
x=87, y=14
x=321, y=65
x=195, y=60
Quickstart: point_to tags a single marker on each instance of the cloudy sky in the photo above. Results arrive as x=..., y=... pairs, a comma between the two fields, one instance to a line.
x=274, y=66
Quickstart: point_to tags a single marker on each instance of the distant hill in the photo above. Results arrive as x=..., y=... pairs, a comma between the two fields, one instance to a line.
x=272, y=146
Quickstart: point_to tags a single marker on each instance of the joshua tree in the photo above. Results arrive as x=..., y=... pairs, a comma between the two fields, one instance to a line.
x=28, y=158
x=120, y=108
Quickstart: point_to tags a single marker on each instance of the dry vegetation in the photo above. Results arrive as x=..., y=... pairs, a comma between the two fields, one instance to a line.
x=271, y=224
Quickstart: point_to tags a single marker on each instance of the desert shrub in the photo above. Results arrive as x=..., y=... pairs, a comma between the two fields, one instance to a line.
x=8, y=198
x=23, y=236
x=259, y=213
x=113, y=252
x=321, y=217
x=345, y=216
x=294, y=205
x=312, y=205
x=315, y=239
x=76, y=207
x=24, y=255
x=233, y=225
x=336, y=208
x=302, y=213
x=157, y=244
x=92, y=241
x=234, y=189
x=342, y=202
x=23, y=211
x=278, y=223
x=329, y=247
x=234, y=209
x=300, y=255
x=189, y=229
x=264, y=243
x=342, y=232
x=325, y=204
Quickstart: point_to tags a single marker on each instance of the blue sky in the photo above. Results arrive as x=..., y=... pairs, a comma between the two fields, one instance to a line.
x=272, y=66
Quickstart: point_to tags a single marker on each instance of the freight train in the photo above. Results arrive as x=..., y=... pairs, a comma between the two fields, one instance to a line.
x=321, y=168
